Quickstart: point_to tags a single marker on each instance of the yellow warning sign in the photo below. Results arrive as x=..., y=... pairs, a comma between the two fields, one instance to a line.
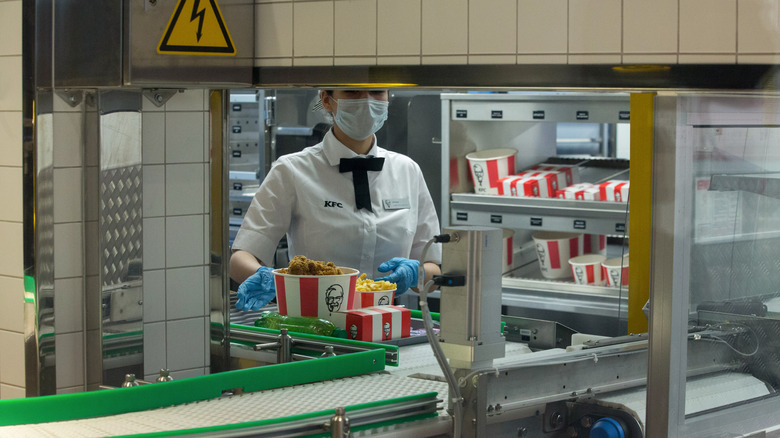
x=196, y=28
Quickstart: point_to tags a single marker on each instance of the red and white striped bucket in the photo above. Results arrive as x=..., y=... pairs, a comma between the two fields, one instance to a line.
x=554, y=250
x=488, y=166
x=315, y=295
x=616, y=271
x=586, y=269
x=594, y=244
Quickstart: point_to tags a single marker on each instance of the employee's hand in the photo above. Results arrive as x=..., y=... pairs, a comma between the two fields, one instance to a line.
x=405, y=272
x=257, y=290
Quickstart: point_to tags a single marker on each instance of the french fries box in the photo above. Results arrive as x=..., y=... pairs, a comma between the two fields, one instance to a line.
x=381, y=323
x=614, y=190
x=548, y=181
x=571, y=174
x=518, y=186
x=373, y=298
x=583, y=191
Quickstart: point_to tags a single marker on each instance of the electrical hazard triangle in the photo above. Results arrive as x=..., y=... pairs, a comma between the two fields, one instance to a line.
x=196, y=28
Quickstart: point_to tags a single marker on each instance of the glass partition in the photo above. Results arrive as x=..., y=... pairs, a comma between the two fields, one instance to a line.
x=726, y=262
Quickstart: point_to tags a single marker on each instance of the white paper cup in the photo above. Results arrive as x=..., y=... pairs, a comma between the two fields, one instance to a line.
x=315, y=295
x=616, y=271
x=488, y=166
x=586, y=269
x=507, y=251
x=553, y=250
x=364, y=299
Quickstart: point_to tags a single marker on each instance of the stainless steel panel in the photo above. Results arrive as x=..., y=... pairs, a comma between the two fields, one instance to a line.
x=219, y=281
x=88, y=43
x=120, y=235
x=145, y=23
x=493, y=77
x=40, y=349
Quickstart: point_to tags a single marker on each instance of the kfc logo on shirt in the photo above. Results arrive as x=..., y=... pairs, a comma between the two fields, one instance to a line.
x=333, y=204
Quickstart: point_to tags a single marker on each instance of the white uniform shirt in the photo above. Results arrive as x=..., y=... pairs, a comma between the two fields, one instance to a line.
x=305, y=196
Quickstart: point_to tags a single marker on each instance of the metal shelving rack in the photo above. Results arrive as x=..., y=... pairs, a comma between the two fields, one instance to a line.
x=525, y=292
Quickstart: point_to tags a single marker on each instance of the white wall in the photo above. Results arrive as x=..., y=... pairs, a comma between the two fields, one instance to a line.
x=388, y=32
x=176, y=235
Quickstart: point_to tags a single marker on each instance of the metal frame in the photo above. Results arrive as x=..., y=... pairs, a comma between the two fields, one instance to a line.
x=748, y=77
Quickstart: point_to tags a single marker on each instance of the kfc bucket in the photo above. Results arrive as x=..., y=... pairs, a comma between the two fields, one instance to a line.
x=616, y=271
x=315, y=295
x=488, y=166
x=554, y=250
x=586, y=269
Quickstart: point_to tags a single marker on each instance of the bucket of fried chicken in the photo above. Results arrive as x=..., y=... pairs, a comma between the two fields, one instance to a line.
x=314, y=288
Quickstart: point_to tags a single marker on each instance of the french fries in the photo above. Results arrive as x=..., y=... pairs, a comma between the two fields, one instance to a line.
x=366, y=285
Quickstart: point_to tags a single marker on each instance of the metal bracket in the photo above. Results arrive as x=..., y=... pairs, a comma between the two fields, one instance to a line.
x=159, y=96
x=71, y=97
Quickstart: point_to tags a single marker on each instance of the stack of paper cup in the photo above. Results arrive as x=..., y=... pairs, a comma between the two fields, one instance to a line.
x=554, y=250
x=488, y=166
x=616, y=271
x=587, y=269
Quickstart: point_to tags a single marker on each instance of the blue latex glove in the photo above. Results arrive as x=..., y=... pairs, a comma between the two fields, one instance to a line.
x=405, y=272
x=257, y=290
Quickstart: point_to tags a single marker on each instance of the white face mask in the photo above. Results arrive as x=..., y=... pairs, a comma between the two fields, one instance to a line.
x=360, y=118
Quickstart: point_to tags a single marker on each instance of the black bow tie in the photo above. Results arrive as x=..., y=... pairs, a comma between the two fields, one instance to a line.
x=359, y=166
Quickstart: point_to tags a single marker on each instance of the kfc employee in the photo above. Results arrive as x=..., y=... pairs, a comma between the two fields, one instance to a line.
x=344, y=200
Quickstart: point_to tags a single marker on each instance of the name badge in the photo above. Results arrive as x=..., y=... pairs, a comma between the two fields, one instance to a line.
x=396, y=204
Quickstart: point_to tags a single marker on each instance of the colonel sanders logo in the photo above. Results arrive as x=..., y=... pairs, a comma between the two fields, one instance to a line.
x=614, y=274
x=384, y=300
x=579, y=274
x=387, y=330
x=536, y=191
x=513, y=190
x=478, y=173
x=353, y=331
x=542, y=255
x=334, y=296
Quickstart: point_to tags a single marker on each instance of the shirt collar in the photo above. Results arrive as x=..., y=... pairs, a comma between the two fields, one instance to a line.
x=334, y=150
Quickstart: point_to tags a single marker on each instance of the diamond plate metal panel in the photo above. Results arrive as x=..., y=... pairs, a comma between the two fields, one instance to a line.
x=121, y=219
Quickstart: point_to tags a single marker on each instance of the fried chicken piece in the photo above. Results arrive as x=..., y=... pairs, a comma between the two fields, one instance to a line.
x=300, y=265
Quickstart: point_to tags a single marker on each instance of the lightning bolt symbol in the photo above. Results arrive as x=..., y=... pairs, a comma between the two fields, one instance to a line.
x=200, y=15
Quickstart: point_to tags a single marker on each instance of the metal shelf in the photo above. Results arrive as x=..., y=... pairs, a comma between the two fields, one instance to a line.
x=593, y=217
x=767, y=184
x=537, y=107
x=550, y=214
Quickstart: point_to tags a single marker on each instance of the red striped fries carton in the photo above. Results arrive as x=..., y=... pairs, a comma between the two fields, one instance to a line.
x=615, y=191
x=488, y=166
x=548, y=182
x=518, y=186
x=315, y=295
x=581, y=191
x=382, y=323
x=569, y=174
x=373, y=298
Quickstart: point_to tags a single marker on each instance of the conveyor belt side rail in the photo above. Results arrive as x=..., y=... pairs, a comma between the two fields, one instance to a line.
x=139, y=398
